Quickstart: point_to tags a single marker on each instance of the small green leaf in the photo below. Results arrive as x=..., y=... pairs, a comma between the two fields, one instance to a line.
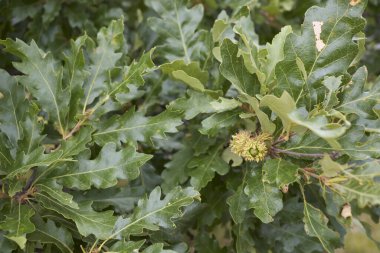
x=332, y=83
x=157, y=248
x=233, y=69
x=319, y=125
x=239, y=203
x=18, y=224
x=367, y=193
x=205, y=166
x=224, y=104
x=267, y=126
x=213, y=124
x=127, y=247
x=316, y=226
x=279, y=172
x=190, y=74
x=281, y=107
x=196, y=103
x=275, y=53
x=331, y=168
x=228, y=156
x=264, y=198
x=175, y=172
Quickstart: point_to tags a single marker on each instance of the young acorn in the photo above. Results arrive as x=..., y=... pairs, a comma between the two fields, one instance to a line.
x=250, y=148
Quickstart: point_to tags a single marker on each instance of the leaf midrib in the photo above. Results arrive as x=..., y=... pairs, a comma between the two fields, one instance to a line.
x=312, y=226
x=51, y=93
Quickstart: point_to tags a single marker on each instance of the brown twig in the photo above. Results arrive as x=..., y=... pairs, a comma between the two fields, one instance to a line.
x=296, y=154
x=79, y=124
x=333, y=155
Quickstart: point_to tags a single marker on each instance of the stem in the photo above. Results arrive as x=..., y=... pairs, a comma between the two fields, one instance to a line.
x=76, y=128
x=296, y=154
x=93, y=246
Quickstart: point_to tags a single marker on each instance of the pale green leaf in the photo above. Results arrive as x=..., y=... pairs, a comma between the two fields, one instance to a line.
x=275, y=53
x=267, y=126
x=190, y=73
x=319, y=125
x=281, y=107
x=331, y=168
x=228, y=156
x=225, y=104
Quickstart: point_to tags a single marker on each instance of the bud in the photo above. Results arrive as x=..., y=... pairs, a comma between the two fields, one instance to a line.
x=250, y=148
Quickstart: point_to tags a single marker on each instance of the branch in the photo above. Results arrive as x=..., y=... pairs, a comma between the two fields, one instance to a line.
x=333, y=155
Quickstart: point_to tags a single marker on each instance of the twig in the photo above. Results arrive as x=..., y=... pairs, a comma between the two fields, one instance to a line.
x=333, y=155
x=296, y=154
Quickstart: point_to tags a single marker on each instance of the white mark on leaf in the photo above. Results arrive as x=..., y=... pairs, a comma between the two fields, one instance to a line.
x=346, y=211
x=317, y=26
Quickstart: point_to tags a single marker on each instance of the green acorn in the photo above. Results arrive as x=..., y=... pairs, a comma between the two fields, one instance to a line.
x=250, y=148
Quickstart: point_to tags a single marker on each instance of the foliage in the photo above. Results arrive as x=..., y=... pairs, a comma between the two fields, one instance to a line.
x=189, y=126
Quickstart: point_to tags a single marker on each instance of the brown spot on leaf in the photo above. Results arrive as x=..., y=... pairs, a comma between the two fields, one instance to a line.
x=354, y=2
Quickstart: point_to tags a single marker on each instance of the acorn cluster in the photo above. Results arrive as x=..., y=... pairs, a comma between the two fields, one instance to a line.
x=249, y=147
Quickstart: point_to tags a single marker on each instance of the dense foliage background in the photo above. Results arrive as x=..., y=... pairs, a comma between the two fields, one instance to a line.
x=116, y=119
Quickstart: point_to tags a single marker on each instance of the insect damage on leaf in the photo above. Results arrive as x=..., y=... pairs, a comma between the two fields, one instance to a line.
x=354, y=2
x=317, y=27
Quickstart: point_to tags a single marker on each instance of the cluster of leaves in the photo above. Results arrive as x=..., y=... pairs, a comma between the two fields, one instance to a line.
x=118, y=140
